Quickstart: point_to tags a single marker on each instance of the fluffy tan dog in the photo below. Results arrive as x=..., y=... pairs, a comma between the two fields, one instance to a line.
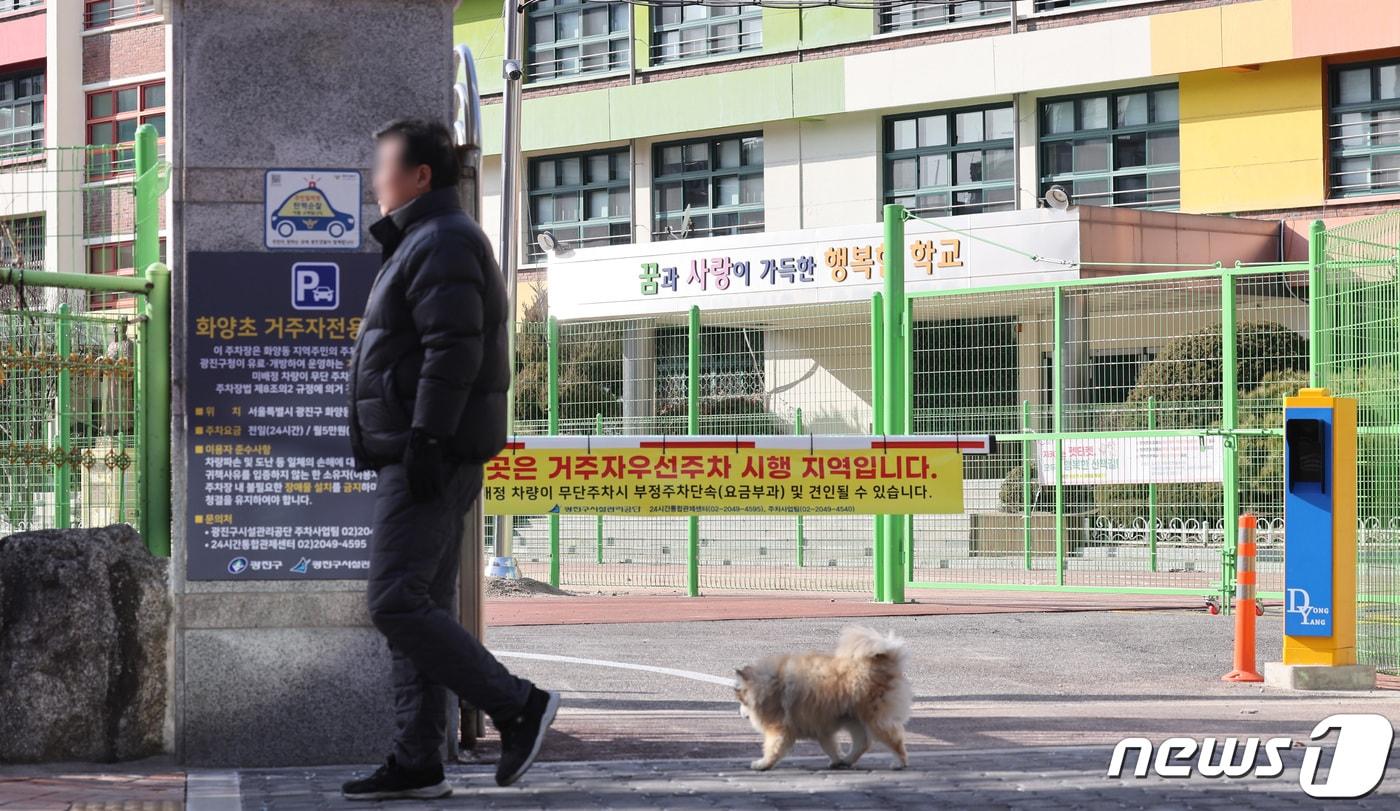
x=859, y=688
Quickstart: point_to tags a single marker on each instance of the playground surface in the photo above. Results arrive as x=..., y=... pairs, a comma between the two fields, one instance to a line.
x=1018, y=703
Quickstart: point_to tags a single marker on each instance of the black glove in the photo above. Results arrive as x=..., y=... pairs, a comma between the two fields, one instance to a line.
x=422, y=462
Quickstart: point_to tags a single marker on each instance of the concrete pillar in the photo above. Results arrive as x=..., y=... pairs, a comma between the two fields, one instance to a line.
x=638, y=376
x=282, y=672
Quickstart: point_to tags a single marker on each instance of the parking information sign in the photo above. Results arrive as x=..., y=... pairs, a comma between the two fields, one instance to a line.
x=271, y=489
x=312, y=209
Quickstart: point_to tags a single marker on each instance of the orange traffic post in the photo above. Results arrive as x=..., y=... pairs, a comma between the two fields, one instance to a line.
x=1246, y=615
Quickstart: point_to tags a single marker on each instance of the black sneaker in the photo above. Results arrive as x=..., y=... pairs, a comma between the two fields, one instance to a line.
x=393, y=782
x=522, y=735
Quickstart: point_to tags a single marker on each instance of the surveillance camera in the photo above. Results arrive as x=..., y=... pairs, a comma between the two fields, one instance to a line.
x=512, y=70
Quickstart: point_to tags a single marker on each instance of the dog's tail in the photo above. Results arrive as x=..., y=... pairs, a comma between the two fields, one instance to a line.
x=879, y=661
x=860, y=642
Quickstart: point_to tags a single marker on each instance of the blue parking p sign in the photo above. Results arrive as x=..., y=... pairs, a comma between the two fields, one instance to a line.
x=315, y=285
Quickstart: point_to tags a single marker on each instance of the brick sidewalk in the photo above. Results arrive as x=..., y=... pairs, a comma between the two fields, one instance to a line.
x=140, y=786
x=1047, y=779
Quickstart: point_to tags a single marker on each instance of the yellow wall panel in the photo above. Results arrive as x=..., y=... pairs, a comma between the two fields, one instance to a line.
x=1252, y=140
x=1236, y=34
x=1186, y=40
x=1256, y=32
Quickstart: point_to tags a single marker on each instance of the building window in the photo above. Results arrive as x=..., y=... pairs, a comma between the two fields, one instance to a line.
x=582, y=200
x=904, y=16
x=6, y=6
x=1113, y=149
x=708, y=186
x=1365, y=129
x=577, y=37
x=693, y=30
x=113, y=116
x=109, y=12
x=732, y=388
x=951, y=161
x=1053, y=5
x=21, y=113
x=115, y=259
x=22, y=243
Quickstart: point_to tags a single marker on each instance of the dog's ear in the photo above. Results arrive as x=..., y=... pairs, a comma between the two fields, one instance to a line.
x=744, y=673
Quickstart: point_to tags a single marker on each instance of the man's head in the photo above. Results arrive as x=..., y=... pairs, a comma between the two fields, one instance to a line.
x=412, y=156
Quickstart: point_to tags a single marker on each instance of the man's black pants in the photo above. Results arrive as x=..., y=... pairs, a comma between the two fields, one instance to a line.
x=413, y=563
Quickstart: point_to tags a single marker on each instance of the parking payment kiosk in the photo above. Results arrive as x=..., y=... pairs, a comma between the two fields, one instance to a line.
x=1319, y=646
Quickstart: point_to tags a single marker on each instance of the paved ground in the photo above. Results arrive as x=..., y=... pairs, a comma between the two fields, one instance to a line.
x=661, y=605
x=1013, y=710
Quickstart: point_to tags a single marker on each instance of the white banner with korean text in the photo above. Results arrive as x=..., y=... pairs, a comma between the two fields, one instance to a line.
x=1133, y=460
x=811, y=266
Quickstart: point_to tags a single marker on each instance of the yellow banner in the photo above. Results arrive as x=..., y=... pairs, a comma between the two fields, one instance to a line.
x=724, y=481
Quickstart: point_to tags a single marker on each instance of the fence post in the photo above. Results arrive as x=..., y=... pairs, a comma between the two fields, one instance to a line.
x=145, y=249
x=598, y=431
x=552, y=362
x=1229, y=422
x=1026, y=481
x=894, y=384
x=801, y=540
x=1058, y=415
x=877, y=426
x=1317, y=236
x=63, y=473
x=907, y=427
x=692, y=396
x=155, y=479
x=1152, y=492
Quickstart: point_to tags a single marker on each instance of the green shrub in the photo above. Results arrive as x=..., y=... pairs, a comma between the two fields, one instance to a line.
x=1185, y=380
x=590, y=367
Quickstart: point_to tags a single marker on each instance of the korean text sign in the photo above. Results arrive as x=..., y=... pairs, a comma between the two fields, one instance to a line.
x=643, y=475
x=271, y=490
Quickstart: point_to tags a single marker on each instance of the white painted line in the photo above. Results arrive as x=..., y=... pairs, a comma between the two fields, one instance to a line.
x=684, y=674
x=212, y=791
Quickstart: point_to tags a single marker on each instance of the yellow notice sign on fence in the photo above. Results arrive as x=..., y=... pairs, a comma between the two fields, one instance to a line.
x=734, y=475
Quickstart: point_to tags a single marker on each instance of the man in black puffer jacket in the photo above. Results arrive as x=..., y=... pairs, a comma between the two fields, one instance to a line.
x=428, y=381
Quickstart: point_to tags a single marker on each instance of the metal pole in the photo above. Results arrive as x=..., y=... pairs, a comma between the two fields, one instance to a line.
x=1229, y=419
x=692, y=410
x=552, y=356
x=1026, y=457
x=598, y=431
x=156, y=387
x=894, y=384
x=907, y=424
x=145, y=249
x=512, y=71
x=1152, y=492
x=1316, y=251
x=801, y=540
x=63, y=472
x=877, y=426
x=1059, y=423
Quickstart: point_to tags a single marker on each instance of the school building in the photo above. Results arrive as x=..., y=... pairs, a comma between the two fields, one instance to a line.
x=77, y=77
x=738, y=158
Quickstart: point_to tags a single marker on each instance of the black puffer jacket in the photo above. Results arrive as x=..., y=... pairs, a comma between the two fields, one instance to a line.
x=432, y=348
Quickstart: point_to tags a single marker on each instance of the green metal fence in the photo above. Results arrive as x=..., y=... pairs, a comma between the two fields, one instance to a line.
x=1357, y=354
x=1138, y=369
x=84, y=346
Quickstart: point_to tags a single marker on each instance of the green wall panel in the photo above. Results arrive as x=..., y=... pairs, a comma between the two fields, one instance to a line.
x=819, y=87
x=478, y=24
x=702, y=102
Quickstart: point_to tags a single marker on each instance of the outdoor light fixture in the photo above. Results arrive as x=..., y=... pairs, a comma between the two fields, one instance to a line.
x=1056, y=198
x=547, y=242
